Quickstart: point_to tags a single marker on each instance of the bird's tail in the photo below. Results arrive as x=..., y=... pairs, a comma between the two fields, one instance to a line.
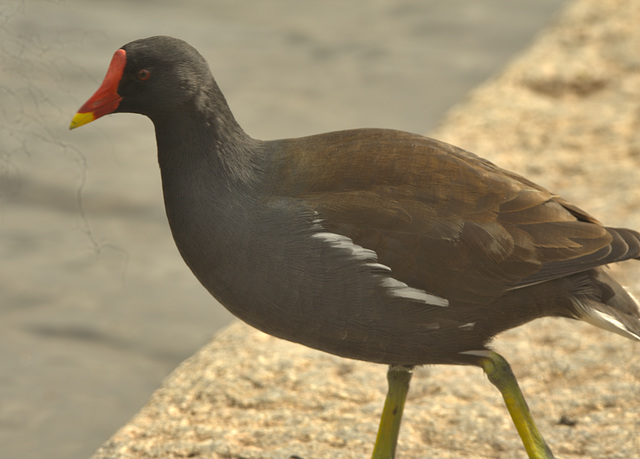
x=615, y=309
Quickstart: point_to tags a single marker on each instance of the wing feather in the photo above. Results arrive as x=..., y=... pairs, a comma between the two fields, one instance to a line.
x=443, y=219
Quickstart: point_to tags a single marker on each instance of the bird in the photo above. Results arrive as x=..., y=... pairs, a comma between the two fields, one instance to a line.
x=371, y=244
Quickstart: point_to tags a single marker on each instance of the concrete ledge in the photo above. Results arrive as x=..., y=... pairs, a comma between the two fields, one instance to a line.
x=567, y=115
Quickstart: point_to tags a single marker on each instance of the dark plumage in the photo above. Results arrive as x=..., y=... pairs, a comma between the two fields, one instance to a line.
x=370, y=244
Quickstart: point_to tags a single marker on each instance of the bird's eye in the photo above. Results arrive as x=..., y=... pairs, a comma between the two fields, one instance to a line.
x=143, y=75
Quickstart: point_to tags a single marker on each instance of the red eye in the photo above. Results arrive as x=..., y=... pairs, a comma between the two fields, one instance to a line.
x=143, y=75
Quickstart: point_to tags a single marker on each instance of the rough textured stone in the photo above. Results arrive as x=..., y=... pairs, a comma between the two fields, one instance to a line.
x=566, y=114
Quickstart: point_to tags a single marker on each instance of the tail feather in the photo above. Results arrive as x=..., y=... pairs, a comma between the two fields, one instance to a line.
x=622, y=324
x=614, y=309
x=631, y=241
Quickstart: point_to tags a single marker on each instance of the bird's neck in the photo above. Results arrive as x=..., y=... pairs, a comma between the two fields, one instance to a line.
x=206, y=137
x=209, y=178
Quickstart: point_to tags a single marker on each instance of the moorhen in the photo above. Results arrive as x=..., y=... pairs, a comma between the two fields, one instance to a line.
x=370, y=244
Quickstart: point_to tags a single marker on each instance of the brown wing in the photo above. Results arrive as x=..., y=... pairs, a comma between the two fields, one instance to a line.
x=441, y=218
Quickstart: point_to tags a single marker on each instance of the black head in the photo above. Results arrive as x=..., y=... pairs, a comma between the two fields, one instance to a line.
x=153, y=76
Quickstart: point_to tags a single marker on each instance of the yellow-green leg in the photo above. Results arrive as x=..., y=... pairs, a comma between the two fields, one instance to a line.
x=387, y=439
x=501, y=376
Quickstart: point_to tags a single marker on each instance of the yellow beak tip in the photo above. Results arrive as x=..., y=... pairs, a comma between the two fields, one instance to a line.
x=80, y=119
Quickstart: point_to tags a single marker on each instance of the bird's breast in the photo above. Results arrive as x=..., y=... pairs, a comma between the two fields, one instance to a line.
x=275, y=266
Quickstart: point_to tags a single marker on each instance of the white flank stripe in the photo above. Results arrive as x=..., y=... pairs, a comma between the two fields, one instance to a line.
x=395, y=287
x=379, y=267
x=342, y=242
x=400, y=289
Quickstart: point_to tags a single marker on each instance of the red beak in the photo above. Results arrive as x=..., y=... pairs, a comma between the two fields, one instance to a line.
x=106, y=99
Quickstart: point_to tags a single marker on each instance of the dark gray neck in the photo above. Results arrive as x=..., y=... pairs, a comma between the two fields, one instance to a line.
x=205, y=134
x=210, y=173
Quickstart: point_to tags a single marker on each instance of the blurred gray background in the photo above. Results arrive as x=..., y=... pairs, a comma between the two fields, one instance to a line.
x=96, y=307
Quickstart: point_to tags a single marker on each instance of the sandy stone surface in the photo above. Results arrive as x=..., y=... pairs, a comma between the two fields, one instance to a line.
x=566, y=114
